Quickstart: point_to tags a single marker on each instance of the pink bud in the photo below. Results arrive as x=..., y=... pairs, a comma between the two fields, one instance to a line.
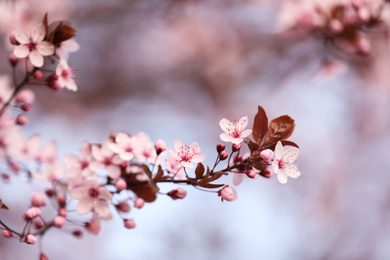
x=120, y=184
x=267, y=173
x=363, y=45
x=236, y=147
x=228, y=193
x=49, y=192
x=7, y=233
x=25, y=96
x=160, y=146
x=179, y=193
x=78, y=233
x=12, y=38
x=357, y=3
x=94, y=225
x=364, y=14
x=14, y=166
x=52, y=82
x=21, y=119
x=62, y=202
x=59, y=221
x=38, y=223
x=13, y=60
x=62, y=212
x=139, y=203
x=266, y=155
x=123, y=207
x=43, y=257
x=32, y=213
x=25, y=107
x=38, y=200
x=251, y=173
x=223, y=155
x=238, y=159
x=38, y=74
x=30, y=239
x=220, y=147
x=129, y=223
x=336, y=26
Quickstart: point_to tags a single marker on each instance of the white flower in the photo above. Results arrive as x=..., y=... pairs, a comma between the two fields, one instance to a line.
x=234, y=130
x=283, y=163
x=66, y=76
x=32, y=45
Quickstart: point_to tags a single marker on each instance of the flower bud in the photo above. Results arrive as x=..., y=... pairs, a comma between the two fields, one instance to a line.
x=220, y=147
x=238, y=159
x=13, y=60
x=49, y=192
x=236, y=147
x=30, y=239
x=267, y=173
x=336, y=26
x=42, y=256
x=38, y=223
x=179, y=193
x=12, y=39
x=120, y=184
x=363, y=46
x=160, y=146
x=52, y=82
x=228, y=193
x=38, y=74
x=251, y=173
x=266, y=155
x=78, y=233
x=38, y=200
x=364, y=14
x=7, y=233
x=223, y=155
x=59, y=221
x=62, y=212
x=129, y=223
x=123, y=207
x=139, y=203
x=93, y=226
x=22, y=119
x=32, y=213
x=25, y=107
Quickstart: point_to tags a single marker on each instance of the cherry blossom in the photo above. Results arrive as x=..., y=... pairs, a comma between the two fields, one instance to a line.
x=283, y=163
x=187, y=154
x=105, y=157
x=63, y=49
x=32, y=45
x=66, y=76
x=234, y=130
x=228, y=193
x=91, y=196
x=124, y=146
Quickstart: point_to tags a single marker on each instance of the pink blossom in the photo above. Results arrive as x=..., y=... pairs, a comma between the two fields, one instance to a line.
x=145, y=148
x=228, y=193
x=174, y=167
x=59, y=221
x=32, y=212
x=234, y=130
x=65, y=47
x=66, y=76
x=32, y=45
x=94, y=226
x=160, y=146
x=81, y=161
x=51, y=172
x=38, y=200
x=31, y=239
x=123, y=207
x=91, y=196
x=139, y=203
x=187, y=154
x=266, y=155
x=124, y=146
x=129, y=223
x=105, y=157
x=283, y=163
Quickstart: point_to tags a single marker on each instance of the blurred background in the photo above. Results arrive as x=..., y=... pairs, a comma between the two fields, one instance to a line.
x=173, y=69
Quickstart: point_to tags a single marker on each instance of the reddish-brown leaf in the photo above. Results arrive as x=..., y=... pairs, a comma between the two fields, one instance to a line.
x=253, y=146
x=209, y=185
x=147, y=170
x=2, y=205
x=280, y=128
x=45, y=23
x=199, y=171
x=286, y=142
x=216, y=176
x=260, y=125
x=159, y=174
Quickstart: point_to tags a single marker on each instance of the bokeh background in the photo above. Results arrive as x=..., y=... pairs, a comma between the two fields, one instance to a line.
x=173, y=69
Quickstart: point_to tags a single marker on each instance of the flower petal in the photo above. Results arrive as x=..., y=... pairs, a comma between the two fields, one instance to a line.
x=279, y=152
x=104, y=193
x=113, y=171
x=242, y=123
x=198, y=158
x=175, y=155
x=84, y=206
x=282, y=176
x=291, y=155
x=72, y=160
x=292, y=171
x=226, y=125
x=238, y=178
x=187, y=165
x=79, y=192
x=36, y=58
x=225, y=137
x=38, y=33
x=195, y=147
x=102, y=209
x=46, y=48
x=21, y=51
x=178, y=145
x=246, y=133
x=22, y=36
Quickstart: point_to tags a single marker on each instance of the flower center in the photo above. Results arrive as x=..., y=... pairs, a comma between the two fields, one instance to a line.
x=32, y=46
x=186, y=153
x=281, y=164
x=65, y=74
x=93, y=192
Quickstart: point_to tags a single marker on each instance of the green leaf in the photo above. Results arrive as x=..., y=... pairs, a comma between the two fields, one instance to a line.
x=260, y=125
x=280, y=128
x=199, y=171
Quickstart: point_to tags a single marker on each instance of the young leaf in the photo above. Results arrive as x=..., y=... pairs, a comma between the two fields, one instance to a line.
x=159, y=175
x=216, y=176
x=260, y=125
x=280, y=128
x=253, y=146
x=199, y=171
x=147, y=170
x=2, y=205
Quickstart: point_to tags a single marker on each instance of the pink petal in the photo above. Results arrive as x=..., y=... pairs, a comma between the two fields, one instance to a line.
x=96, y=166
x=226, y=125
x=225, y=137
x=46, y=48
x=236, y=140
x=21, y=51
x=187, y=165
x=195, y=146
x=114, y=171
x=96, y=153
x=246, y=133
x=79, y=192
x=242, y=123
x=72, y=160
x=101, y=208
x=282, y=176
x=71, y=85
x=36, y=58
x=115, y=148
x=38, y=33
x=279, y=152
x=291, y=154
x=104, y=193
x=85, y=151
x=122, y=137
x=174, y=155
x=84, y=206
x=238, y=178
x=198, y=158
x=292, y=171
x=22, y=36
x=126, y=156
x=178, y=145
